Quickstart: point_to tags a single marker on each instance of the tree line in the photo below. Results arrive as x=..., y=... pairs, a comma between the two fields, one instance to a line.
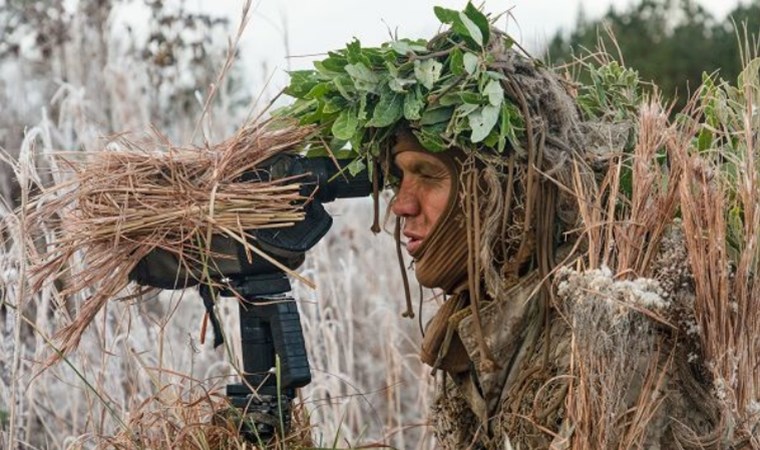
x=669, y=42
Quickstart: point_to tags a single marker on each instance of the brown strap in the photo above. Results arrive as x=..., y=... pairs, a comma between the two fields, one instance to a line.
x=400, y=255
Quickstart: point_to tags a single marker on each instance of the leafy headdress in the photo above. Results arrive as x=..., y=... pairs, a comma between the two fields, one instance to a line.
x=468, y=88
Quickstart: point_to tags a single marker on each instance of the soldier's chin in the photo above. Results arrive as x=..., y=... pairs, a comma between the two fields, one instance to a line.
x=436, y=279
x=428, y=280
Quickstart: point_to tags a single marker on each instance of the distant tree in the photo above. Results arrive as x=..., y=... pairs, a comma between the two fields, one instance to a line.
x=669, y=42
x=741, y=28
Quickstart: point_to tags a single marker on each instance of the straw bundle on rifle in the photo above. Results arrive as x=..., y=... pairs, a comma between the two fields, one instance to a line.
x=124, y=202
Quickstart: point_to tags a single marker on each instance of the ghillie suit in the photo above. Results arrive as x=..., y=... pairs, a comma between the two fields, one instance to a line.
x=587, y=316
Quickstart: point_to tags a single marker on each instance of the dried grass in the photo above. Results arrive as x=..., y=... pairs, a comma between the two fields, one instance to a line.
x=701, y=167
x=622, y=230
x=720, y=201
x=364, y=390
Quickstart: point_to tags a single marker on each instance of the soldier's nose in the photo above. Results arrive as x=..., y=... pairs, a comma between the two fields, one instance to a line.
x=405, y=204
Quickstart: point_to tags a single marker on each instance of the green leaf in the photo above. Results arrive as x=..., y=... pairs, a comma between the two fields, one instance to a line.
x=472, y=29
x=318, y=91
x=470, y=61
x=330, y=66
x=482, y=121
x=388, y=110
x=364, y=78
x=452, y=98
x=400, y=84
x=297, y=109
x=405, y=46
x=495, y=75
x=362, y=115
x=492, y=140
x=704, y=139
x=436, y=115
x=310, y=118
x=413, y=103
x=462, y=24
x=306, y=111
x=471, y=97
x=392, y=69
x=356, y=167
x=428, y=72
x=506, y=131
x=480, y=20
x=511, y=124
x=430, y=139
x=334, y=104
x=457, y=98
x=456, y=62
x=346, y=124
x=466, y=109
x=355, y=54
x=301, y=82
x=445, y=15
x=344, y=85
x=401, y=47
x=494, y=92
x=334, y=63
x=374, y=57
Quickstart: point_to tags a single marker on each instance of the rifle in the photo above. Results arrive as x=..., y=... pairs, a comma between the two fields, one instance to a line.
x=270, y=324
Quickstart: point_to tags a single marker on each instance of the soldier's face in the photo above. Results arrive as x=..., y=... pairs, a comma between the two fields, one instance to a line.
x=422, y=196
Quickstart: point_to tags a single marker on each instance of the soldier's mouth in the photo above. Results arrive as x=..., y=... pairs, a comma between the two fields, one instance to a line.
x=413, y=242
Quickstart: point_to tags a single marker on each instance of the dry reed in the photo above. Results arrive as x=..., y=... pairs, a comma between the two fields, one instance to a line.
x=612, y=328
x=720, y=201
x=697, y=174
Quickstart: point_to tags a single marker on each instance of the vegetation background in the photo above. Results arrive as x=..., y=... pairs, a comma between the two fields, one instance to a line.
x=67, y=82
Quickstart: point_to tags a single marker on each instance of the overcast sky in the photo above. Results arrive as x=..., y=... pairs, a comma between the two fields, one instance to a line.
x=315, y=26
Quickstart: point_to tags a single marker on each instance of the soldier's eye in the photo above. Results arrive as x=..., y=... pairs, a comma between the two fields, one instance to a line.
x=395, y=175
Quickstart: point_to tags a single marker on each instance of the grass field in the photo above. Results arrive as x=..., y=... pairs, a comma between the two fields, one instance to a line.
x=141, y=377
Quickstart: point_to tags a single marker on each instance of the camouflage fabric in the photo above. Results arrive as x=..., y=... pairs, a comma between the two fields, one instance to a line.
x=598, y=369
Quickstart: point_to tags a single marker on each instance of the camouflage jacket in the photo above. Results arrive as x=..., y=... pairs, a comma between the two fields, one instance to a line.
x=590, y=371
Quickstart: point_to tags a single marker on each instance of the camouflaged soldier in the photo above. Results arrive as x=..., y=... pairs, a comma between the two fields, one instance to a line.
x=500, y=182
x=491, y=231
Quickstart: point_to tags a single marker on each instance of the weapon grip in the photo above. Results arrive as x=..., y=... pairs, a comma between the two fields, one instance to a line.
x=289, y=345
x=269, y=327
